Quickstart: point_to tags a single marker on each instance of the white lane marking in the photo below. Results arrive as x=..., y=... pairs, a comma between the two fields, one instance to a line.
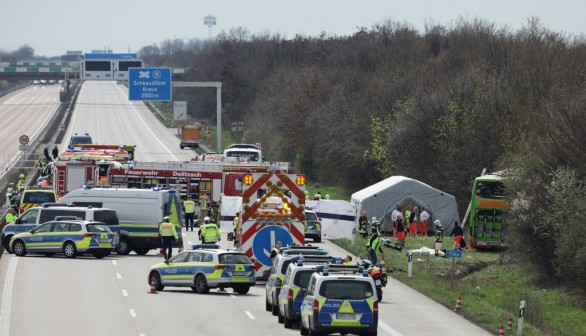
x=150, y=130
x=124, y=292
x=119, y=276
x=114, y=262
x=388, y=329
x=141, y=335
x=249, y=314
x=132, y=312
x=6, y=309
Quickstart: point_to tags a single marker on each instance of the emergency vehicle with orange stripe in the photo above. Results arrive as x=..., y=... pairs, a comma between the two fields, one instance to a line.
x=273, y=208
x=35, y=196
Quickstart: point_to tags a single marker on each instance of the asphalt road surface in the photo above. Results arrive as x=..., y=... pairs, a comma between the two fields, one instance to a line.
x=88, y=296
x=24, y=112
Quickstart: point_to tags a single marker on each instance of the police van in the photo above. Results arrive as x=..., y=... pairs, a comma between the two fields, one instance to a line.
x=340, y=299
x=280, y=264
x=36, y=216
x=295, y=285
x=139, y=211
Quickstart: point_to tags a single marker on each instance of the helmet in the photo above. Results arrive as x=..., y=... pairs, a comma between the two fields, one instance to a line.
x=10, y=184
x=367, y=263
x=166, y=218
x=373, y=219
x=437, y=222
x=206, y=219
x=21, y=176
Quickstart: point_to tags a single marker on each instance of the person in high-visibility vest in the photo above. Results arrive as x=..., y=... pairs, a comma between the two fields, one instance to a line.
x=167, y=233
x=363, y=225
x=209, y=232
x=21, y=182
x=373, y=246
x=10, y=216
x=189, y=208
x=347, y=260
x=276, y=250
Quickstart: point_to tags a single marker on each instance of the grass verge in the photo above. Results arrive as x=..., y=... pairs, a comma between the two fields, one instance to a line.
x=491, y=286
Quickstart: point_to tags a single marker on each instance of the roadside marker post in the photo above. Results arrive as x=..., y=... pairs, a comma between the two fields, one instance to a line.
x=410, y=265
x=520, y=320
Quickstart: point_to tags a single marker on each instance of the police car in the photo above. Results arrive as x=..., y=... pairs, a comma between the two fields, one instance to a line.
x=340, y=299
x=312, y=225
x=295, y=285
x=280, y=264
x=64, y=235
x=205, y=268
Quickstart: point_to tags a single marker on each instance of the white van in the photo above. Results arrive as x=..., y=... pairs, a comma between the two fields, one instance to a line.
x=139, y=212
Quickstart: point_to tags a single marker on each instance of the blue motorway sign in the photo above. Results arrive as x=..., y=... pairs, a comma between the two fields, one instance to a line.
x=103, y=56
x=454, y=253
x=149, y=84
x=265, y=239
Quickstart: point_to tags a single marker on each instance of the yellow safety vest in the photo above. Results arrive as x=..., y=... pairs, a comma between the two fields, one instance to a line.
x=10, y=218
x=21, y=183
x=167, y=230
x=189, y=206
x=235, y=223
x=210, y=233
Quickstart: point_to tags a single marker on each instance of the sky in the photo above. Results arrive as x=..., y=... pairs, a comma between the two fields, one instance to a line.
x=51, y=27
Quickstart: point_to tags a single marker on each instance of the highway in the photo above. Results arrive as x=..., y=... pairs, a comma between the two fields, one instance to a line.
x=88, y=296
x=25, y=112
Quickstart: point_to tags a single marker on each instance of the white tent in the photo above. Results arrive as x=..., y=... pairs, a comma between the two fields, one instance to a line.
x=380, y=199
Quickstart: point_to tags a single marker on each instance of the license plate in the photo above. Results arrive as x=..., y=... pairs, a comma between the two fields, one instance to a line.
x=346, y=316
x=240, y=274
x=377, y=282
x=104, y=240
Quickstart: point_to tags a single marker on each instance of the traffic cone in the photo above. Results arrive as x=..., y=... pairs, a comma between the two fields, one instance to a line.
x=510, y=324
x=501, y=331
x=153, y=287
x=458, y=304
x=383, y=268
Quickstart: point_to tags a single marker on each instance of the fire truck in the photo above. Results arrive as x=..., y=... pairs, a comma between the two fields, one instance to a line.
x=273, y=209
x=88, y=164
x=213, y=175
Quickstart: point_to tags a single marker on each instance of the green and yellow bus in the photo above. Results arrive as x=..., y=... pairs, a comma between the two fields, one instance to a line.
x=488, y=213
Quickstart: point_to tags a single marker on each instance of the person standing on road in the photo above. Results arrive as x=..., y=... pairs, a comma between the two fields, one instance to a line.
x=21, y=182
x=189, y=208
x=276, y=250
x=423, y=216
x=209, y=233
x=10, y=215
x=204, y=205
x=373, y=246
x=168, y=234
x=363, y=225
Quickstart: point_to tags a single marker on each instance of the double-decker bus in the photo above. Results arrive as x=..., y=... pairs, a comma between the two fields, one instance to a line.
x=488, y=213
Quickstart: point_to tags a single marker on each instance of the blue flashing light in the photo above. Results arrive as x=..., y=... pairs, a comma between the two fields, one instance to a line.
x=365, y=273
x=300, y=262
x=326, y=271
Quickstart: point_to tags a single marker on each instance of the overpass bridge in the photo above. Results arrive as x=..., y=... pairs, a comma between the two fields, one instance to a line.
x=53, y=72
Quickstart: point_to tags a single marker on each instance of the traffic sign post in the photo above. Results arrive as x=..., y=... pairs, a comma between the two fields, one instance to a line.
x=24, y=140
x=453, y=254
x=153, y=84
